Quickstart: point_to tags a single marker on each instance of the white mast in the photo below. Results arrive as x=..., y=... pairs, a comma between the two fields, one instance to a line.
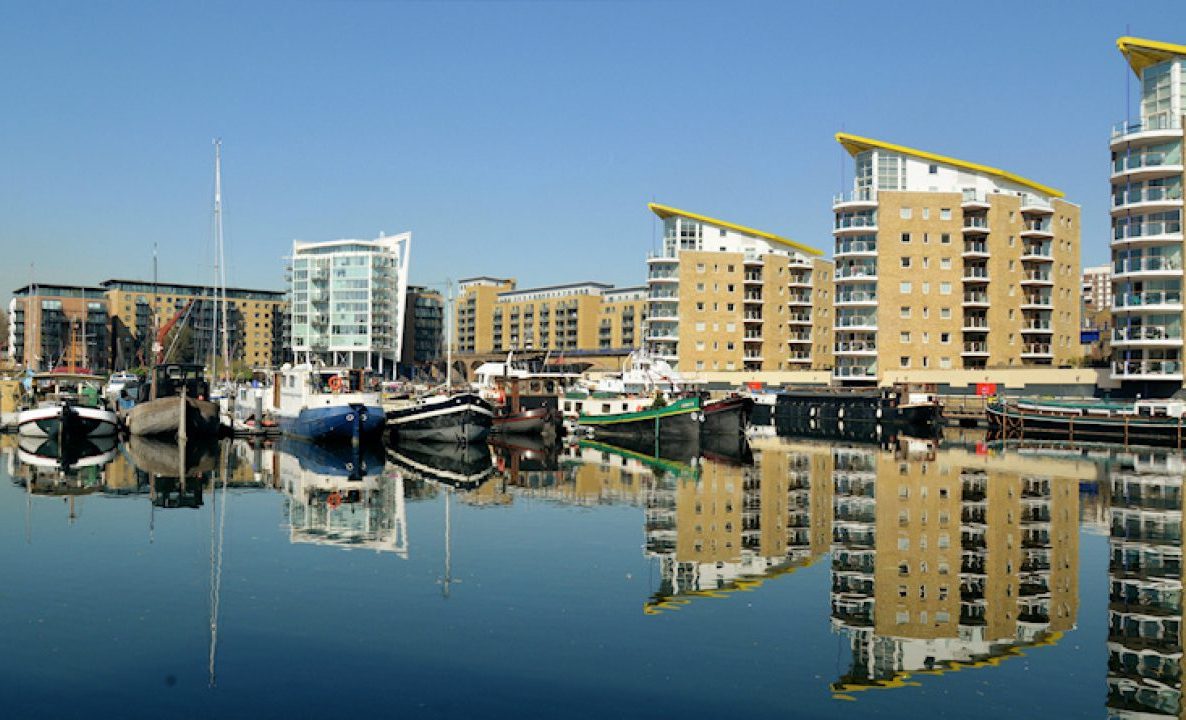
x=219, y=268
x=449, y=310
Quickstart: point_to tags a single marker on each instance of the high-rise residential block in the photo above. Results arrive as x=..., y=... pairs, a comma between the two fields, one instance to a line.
x=59, y=326
x=348, y=301
x=1097, y=288
x=946, y=264
x=1147, y=174
x=726, y=297
x=424, y=322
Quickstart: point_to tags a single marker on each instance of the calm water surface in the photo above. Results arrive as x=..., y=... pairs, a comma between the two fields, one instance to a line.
x=809, y=580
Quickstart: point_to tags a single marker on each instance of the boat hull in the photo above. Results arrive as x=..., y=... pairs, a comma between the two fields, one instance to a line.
x=1011, y=422
x=340, y=422
x=524, y=422
x=727, y=416
x=163, y=416
x=459, y=419
x=67, y=421
x=874, y=408
x=679, y=422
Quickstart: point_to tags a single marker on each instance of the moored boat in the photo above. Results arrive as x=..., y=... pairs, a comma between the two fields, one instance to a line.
x=1143, y=422
x=727, y=416
x=678, y=420
x=456, y=418
x=324, y=403
x=175, y=399
x=524, y=422
x=905, y=405
x=69, y=408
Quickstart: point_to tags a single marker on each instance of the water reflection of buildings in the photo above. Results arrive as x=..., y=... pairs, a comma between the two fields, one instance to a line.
x=947, y=560
x=341, y=497
x=1145, y=587
x=731, y=525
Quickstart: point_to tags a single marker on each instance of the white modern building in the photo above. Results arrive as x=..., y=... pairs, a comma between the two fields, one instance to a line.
x=1147, y=176
x=1097, y=288
x=348, y=301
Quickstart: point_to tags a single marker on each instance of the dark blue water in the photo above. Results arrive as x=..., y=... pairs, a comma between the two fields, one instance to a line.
x=294, y=583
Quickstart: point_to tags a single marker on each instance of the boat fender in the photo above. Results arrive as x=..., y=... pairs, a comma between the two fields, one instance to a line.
x=812, y=411
x=840, y=425
x=812, y=424
x=877, y=427
x=877, y=414
x=840, y=413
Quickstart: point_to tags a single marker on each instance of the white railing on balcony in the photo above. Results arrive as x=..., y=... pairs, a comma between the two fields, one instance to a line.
x=1147, y=367
x=1036, y=276
x=855, y=246
x=1162, y=122
x=1042, y=226
x=976, y=247
x=1036, y=325
x=975, y=222
x=855, y=371
x=856, y=346
x=799, y=317
x=1154, y=297
x=1035, y=349
x=859, y=220
x=856, y=271
x=843, y=321
x=799, y=299
x=1036, y=251
x=975, y=347
x=1155, y=193
x=865, y=195
x=1145, y=332
x=970, y=297
x=1029, y=200
x=858, y=296
x=1146, y=264
x=1037, y=300
x=975, y=323
x=975, y=273
x=1138, y=160
x=1126, y=228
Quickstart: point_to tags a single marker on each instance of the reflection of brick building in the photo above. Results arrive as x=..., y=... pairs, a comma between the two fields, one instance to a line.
x=59, y=326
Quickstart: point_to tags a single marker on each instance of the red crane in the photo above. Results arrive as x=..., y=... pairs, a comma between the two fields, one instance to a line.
x=159, y=345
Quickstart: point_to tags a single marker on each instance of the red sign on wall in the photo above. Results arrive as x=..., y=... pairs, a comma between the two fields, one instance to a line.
x=986, y=389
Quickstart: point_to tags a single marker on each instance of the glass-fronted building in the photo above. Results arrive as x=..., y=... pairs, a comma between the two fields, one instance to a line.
x=348, y=299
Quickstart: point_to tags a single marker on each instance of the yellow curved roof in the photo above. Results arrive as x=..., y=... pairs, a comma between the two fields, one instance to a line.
x=856, y=144
x=666, y=211
x=1142, y=53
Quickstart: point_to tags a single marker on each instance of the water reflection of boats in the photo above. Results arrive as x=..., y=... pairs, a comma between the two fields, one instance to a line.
x=64, y=457
x=158, y=456
x=340, y=495
x=847, y=430
x=526, y=453
x=460, y=466
x=685, y=452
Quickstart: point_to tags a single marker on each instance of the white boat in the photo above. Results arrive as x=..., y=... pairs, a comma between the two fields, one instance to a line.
x=66, y=409
x=456, y=418
x=119, y=384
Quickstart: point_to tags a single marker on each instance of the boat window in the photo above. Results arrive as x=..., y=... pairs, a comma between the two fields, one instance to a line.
x=604, y=407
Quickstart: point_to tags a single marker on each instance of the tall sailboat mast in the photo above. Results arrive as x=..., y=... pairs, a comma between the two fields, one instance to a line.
x=220, y=269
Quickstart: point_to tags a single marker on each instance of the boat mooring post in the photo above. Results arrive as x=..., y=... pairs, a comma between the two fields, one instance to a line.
x=259, y=411
x=181, y=416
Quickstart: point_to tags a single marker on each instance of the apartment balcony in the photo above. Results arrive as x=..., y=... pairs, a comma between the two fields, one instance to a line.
x=662, y=278
x=854, y=225
x=975, y=225
x=975, y=274
x=752, y=278
x=856, y=372
x=856, y=322
x=975, y=299
x=856, y=347
x=1147, y=336
x=799, y=280
x=975, y=324
x=799, y=338
x=1034, y=204
x=1037, y=302
x=1037, y=228
x=799, y=299
x=975, y=249
x=752, y=260
x=1037, y=253
x=975, y=349
x=1155, y=300
x=752, y=337
x=1036, y=350
x=847, y=248
x=656, y=259
x=1146, y=164
x=752, y=317
x=1150, y=266
x=1145, y=233
x=1147, y=369
x=974, y=200
x=1145, y=199
x=1037, y=327
x=1037, y=278
x=664, y=316
x=1151, y=131
x=856, y=273
x=858, y=298
x=799, y=356
x=854, y=200
x=799, y=319
x=752, y=297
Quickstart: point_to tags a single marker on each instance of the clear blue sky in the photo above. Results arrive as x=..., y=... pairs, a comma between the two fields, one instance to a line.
x=517, y=138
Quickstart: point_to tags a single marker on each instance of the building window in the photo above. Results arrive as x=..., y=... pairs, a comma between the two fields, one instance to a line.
x=906, y=237
x=945, y=338
x=904, y=337
x=944, y=263
x=944, y=288
x=945, y=239
x=905, y=311
x=905, y=213
x=905, y=262
x=944, y=213
x=933, y=169
x=945, y=313
x=904, y=288
x=904, y=362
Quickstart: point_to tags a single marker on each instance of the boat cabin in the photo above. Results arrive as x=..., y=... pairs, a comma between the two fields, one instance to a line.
x=1169, y=408
x=170, y=379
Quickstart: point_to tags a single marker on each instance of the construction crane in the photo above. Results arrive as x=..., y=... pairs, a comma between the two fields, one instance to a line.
x=161, y=334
